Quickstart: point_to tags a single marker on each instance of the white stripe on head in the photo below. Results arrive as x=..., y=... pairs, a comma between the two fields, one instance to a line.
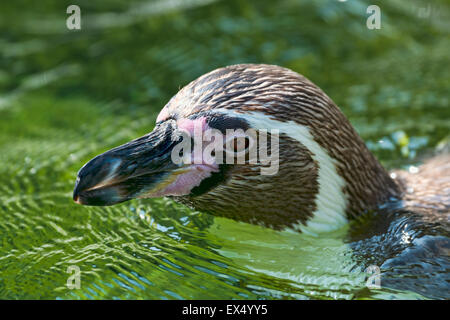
x=330, y=200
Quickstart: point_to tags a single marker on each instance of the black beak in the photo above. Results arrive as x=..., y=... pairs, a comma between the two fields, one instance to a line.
x=125, y=172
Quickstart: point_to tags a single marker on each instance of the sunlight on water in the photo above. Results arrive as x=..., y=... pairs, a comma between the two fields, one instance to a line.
x=313, y=266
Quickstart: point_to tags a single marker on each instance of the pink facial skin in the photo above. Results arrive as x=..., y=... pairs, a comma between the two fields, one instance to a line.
x=195, y=128
x=197, y=171
x=190, y=125
x=163, y=115
x=185, y=182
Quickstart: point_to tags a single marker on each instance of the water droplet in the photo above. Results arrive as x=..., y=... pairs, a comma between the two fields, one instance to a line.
x=413, y=169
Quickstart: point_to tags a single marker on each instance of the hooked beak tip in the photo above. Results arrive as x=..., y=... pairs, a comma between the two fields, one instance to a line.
x=120, y=174
x=76, y=198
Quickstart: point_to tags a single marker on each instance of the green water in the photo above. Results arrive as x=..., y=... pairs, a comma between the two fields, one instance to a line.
x=66, y=96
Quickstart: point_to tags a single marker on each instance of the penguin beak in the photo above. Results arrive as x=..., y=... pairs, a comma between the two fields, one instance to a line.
x=125, y=172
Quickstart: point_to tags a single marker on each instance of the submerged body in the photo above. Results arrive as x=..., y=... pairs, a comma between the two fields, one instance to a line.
x=326, y=175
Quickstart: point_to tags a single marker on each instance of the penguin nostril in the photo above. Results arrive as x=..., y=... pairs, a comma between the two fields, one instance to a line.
x=131, y=167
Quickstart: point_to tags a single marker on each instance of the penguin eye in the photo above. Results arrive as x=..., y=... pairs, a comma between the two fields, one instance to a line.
x=240, y=145
x=222, y=123
x=237, y=145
